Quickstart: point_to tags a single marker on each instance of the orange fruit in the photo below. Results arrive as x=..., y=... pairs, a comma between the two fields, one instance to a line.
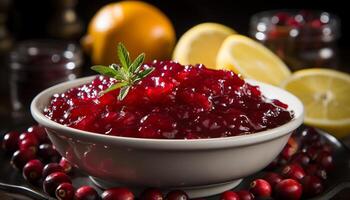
x=139, y=25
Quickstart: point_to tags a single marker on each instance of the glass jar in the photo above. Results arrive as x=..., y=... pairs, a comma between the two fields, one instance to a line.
x=301, y=38
x=38, y=64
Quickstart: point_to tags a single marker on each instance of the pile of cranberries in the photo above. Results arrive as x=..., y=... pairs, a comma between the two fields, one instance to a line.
x=299, y=171
x=302, y=19
x=173, y=102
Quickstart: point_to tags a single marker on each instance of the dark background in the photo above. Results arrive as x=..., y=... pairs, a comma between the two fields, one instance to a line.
x=28, y=18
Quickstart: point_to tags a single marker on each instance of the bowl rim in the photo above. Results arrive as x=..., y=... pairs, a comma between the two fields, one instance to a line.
x=168, y=144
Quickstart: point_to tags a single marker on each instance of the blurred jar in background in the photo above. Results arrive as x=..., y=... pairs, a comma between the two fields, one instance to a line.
x=301, y=38
x=38, y=64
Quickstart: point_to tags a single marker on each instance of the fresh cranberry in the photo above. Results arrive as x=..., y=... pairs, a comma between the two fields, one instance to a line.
x=288, y=151
x=301, y=158
x=33, y=170
x=245, y=195
x=229, y=195
x=293, y=171
x=29, y=144
x=10, y=141
x=312, y=186
x=272, y=178
x=325, y=160
x=53, y=180
x=312, y=152
x=117, y=193
x=65, y=164
x=177, y=195
x=48, y=153
x=316, y=170
x=260, y=188
x=86, y=193
x=288, y=189
x=40, y=133
x=29, y=136
x=21, y=157
x=310, y=136
x=151, y=194
x=51, y=168
x=64, y=191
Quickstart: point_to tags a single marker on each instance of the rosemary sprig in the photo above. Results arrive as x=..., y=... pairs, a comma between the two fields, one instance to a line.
x=127, y=73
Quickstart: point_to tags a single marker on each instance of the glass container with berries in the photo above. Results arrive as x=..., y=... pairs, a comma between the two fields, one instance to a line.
x=301, y=38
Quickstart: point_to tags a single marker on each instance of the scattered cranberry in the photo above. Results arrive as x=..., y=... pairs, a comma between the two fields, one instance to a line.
x=29, y=136
x=86, y=193
x=272, y=178
x=310, y=136
x=48, y=153
x=316, y=170
x=301, y=158
x=288, y=189
x=325, y=160
x=229, y=195
x=245, y=195
x=117, y=193
x=312, y=186
x=40, y=133
x=10, y=141
x=65, y=191
x=288, y=151
x=53, y=180
x=177, y=195
x=312, y=152
x=51, y=168
x=21, y=157
x=29, y=144
x=151, y=194
x=65, y=164
x=32, y=171
x=260, y=188
x=293, y=171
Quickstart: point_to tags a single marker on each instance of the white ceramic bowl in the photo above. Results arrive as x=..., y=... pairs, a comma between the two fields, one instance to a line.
x=203, y=167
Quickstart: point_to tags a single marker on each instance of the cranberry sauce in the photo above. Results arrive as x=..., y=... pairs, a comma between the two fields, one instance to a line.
x=173, y=102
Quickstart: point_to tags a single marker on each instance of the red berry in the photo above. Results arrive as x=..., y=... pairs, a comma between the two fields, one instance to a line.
x=245, y=195
x=40, y=133
x=312, y=186
x=281, y=18
x=32, y=171
x=301, y=158
x=21, y=157
x=288, y=189
x=316, y=170
x=65, y=191
x=117, y=193
x=272, y=178
x=177, y=195
x=86, y=193
x=10, y=141
x=51, y=168
x=229, y=195
x=29, y=136
x=48, y=153
x=293, y=171
x=260, y=188
x=29, y=144
x=312, y=152
x=65, y=164
x=151, y=194
x=310, y=136
x=325, y=160
x=53, y=180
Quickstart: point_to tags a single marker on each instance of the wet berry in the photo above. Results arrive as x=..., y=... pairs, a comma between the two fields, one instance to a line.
x=65, y=164
x=65, y=191
x=28, y=144
x=293, y=171
x=177, y=195
x=245, y=195
x=229, y=195
x=53, y=180
x=117, y=193
x=325, y=160
x=10, y=142
x=32, y=171
x=40, y=133
x=86, y=193
x=288, y=189
x=312, y=186
x=151, y=194
x=51, y=168
x=272, y=178
x=260, y=188
x=301, y=158
x=21, y=157
x=48, y=153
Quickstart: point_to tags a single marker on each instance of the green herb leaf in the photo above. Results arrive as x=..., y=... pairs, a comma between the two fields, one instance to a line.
x=123, y=92
x=136, y=65
x=107, y=71
x=114, y=87
x=123, y=56
x=145, y=72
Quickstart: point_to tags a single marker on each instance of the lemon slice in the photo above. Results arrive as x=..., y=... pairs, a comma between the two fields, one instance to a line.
x=251, y=59
x=326, y=97
x=200, y=44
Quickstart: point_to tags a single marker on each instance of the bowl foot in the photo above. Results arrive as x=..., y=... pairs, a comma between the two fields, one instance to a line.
x=193, y=192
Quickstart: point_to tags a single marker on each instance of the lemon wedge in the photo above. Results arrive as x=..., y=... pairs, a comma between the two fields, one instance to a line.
x=201, y=43
x=326, y=97
x=251, y=59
